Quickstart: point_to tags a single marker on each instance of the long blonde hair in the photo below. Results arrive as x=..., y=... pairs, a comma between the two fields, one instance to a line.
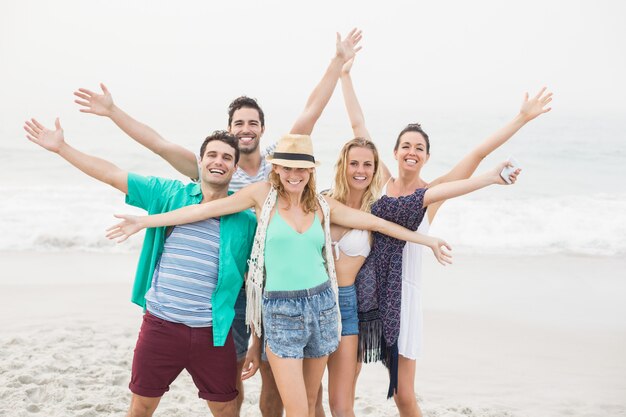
x=341, y=189
x=309, y=196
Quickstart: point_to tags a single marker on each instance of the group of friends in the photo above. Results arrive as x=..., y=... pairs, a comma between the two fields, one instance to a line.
x=331, y=280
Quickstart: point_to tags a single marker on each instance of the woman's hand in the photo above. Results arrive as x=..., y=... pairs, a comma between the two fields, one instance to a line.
x=347, y=48
x=536, y=106
x=126, y=228
x=345, y=70
x=497, y=178
x=438, y=247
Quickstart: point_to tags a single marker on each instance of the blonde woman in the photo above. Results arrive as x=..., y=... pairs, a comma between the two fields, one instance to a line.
x=357, y=184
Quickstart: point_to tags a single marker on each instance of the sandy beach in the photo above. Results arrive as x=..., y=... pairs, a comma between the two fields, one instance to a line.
x=505, y=336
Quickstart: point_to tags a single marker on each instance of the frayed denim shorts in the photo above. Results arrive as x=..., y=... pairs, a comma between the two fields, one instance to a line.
x=301, y=324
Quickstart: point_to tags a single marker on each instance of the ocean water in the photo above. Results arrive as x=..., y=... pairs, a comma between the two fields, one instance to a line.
x=569, y=199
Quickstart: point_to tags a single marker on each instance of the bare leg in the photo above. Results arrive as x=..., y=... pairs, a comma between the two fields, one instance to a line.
x=142, y=406
x=342, y=365
x=359, y=365
x=289, y=378
x=270, y=402
x=297, y=379
x=239, y=386
x=405, y=397
x=313, y=372
x=319, y=403
x=225, y=409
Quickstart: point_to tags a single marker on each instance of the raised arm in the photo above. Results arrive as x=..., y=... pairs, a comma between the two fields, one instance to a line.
x=531, y=109
x=355, y=113
x=54, y=141
x=250, y=196
x=357, y=219
x=353, y=107
x=183, y=160
x=346, y=50
x=446, y=190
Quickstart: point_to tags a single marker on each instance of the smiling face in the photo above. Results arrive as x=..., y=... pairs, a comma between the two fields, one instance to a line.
x=246, y=126
x=293, y=180
x=218, y=163
x=411, y=153
x=360, y=168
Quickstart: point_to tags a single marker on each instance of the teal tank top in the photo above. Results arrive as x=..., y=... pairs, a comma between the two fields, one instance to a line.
x=293, y=261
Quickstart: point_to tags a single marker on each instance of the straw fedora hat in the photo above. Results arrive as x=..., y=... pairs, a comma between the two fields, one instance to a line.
x=295, y=151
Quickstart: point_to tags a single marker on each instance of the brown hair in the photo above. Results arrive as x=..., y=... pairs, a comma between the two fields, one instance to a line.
x=413, y=127
x=245, y=102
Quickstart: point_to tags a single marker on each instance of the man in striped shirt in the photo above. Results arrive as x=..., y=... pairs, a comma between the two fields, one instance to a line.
x=246, y=121
x=188, y=277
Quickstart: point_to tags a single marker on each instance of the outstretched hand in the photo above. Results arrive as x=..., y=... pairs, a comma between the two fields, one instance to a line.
x=51, y=140
x=100, y=104
x=536, y=106
x=438, y=247
x=498, y=169
x=347, y=48
x=124, y=229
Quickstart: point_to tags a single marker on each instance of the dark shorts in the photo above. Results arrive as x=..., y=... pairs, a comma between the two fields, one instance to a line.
x=301, y=324
x=241, y=335
x=164, y=349
x=348, y=309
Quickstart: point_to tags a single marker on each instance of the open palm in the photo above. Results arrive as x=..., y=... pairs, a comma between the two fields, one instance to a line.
x=535, y=106
x=51, y=140
x=91, y=102
x=347, y=48
x=124, y=229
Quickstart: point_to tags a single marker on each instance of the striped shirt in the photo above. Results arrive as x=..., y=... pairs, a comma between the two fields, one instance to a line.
x=241, y=178
x=186, y=275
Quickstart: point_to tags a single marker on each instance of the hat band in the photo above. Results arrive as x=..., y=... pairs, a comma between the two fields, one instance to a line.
x=294, y=156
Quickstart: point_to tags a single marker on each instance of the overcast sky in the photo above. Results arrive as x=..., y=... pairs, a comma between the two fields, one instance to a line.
x=178, y=64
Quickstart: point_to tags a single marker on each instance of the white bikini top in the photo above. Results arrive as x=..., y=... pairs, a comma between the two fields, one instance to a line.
x=354, y=243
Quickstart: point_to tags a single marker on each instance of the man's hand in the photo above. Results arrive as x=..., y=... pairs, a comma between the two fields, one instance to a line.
x=51, y=140
x=252, y=361
x=100, y=104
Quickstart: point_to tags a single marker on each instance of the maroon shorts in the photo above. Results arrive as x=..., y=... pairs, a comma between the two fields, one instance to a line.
x=164, y=349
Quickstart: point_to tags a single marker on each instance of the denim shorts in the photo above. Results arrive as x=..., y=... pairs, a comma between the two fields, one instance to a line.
x=240, y=332
x=301, y=324
x=349, y=314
